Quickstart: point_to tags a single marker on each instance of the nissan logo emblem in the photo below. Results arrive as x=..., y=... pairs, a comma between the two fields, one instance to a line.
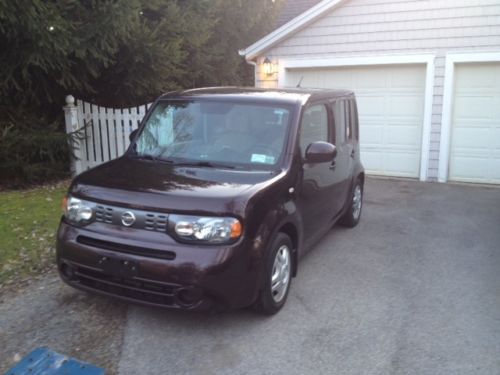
x=128, y=218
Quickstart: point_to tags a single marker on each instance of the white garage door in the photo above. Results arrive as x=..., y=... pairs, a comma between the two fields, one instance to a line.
x=475, y=137
x=391, y=106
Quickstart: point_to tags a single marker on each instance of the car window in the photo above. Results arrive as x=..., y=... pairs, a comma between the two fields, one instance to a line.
x=313, y=127
x=348, y=117
x=354, y=120
x=340, y=116
x=238, y=134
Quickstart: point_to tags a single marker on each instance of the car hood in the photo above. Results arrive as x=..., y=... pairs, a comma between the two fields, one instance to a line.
x=154, y=185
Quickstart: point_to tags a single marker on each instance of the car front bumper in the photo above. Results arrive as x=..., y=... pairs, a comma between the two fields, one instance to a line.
x=151, y=268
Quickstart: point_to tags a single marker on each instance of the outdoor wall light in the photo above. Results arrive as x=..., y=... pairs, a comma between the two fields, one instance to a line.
x=268, y=67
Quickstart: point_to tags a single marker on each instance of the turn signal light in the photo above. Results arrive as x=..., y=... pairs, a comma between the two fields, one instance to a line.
x=236, y=229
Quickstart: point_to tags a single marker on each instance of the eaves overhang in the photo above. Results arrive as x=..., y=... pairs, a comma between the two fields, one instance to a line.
x=289, y=28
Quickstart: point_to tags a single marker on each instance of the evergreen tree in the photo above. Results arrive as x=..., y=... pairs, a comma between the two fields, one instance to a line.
x=239, y=23
x=50, y=48
x=114, y=53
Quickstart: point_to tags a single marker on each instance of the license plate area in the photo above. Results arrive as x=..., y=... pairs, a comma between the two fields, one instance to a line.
x=119, y=267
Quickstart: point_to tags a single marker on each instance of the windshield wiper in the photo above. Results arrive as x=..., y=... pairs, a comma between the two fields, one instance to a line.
x=150, y=157
x=202, y=163
x=183, y=163
x=144, y=156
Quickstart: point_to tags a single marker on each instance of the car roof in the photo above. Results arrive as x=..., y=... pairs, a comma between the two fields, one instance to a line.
x=290, y=95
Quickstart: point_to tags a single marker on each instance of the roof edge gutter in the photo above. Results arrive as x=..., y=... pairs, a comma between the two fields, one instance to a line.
x=243, y=53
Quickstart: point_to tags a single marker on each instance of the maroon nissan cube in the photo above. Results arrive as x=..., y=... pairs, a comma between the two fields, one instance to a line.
x=219, y=195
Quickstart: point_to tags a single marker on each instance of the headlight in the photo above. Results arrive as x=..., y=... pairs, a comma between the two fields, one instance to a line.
x=205, y=229
x=77, y=211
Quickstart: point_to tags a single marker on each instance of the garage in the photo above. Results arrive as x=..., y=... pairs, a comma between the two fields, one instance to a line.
x=391, y=110
x=475, y=128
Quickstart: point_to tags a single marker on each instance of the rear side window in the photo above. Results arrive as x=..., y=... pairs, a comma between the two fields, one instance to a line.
x=340, y=114
x=313, y=127
x=354, y=120
x=348, y=123
x=345, y=114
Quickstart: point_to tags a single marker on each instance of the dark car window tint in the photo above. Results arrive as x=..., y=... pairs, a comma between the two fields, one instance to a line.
x=314, y=127
x=348, y=123
x=354, y=120
x=339, y=113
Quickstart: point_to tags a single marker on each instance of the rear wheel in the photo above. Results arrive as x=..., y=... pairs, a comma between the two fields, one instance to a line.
x=277, y=276
x=353, y=213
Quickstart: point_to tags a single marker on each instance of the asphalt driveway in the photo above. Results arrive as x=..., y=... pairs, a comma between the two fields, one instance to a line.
x=414, y=289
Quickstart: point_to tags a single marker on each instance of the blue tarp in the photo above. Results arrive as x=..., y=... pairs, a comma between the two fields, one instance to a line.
x=43, y=361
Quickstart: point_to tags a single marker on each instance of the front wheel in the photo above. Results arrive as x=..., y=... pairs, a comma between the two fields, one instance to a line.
x=353, y=214
x=277, y=276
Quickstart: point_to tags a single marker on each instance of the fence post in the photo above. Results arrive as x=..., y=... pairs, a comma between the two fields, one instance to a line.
x=71, y=119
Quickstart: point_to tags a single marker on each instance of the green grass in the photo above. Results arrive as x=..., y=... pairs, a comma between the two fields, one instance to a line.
x=28, y=225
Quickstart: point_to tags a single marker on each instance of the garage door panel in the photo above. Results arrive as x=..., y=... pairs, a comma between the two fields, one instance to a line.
x=409, y=77
x=343, y=78
x=494, y=167
x=467, y=79
x=473, y=107
x=495, y=139
x=370, y=78
x=475, y=138
x=470, y=138
x=395, y=160
x=372, y=160
x=407, y=106
x=370, y=105
x=389, y=162
x=465, y=168
x=495, y=110
x=390, y=105
x=372, y=135
x=404, y=136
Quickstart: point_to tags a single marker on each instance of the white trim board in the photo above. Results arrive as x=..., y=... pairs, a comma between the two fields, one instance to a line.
x=449, y=85
x=289, y=28
x=427, y=59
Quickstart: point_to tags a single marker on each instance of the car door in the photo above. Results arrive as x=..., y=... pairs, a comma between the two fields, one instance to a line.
x=344, y=162
x=317, y=189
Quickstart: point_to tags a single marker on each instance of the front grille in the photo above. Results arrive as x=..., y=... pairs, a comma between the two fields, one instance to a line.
x=152, y=221
x=104, y=214
x=156, y=222
x=141, y=290
x=128, y=249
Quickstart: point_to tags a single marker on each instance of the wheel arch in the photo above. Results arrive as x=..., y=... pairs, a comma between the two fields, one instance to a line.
x=361, y=176
x=291, y=231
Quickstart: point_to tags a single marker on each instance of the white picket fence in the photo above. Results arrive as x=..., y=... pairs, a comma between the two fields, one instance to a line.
x=99, y=134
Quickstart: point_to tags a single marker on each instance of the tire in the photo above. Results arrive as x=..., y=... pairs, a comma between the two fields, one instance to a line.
x=353, y=213
x=278, y=264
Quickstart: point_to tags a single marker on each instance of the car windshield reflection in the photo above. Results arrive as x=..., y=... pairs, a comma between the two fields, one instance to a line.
x=215, y=134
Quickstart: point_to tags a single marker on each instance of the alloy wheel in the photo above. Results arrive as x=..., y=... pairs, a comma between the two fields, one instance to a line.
x=280, y=277
x=357, y=202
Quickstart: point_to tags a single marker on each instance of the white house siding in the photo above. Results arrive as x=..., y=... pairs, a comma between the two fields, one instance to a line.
x=361, y=28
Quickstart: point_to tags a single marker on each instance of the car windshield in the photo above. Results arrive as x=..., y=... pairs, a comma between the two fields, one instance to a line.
x=215, y=133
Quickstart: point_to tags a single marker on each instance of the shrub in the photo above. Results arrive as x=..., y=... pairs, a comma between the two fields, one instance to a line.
x=32, y=151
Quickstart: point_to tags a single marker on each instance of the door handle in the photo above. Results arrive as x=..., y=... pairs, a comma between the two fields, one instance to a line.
x=333, y=165
x=353, y=153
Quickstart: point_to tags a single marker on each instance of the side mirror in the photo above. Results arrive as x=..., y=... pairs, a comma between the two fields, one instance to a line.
x=320, y=152
x=132, y=135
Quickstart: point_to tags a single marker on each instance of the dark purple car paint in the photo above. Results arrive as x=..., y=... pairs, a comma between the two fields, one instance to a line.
x=299, y=198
